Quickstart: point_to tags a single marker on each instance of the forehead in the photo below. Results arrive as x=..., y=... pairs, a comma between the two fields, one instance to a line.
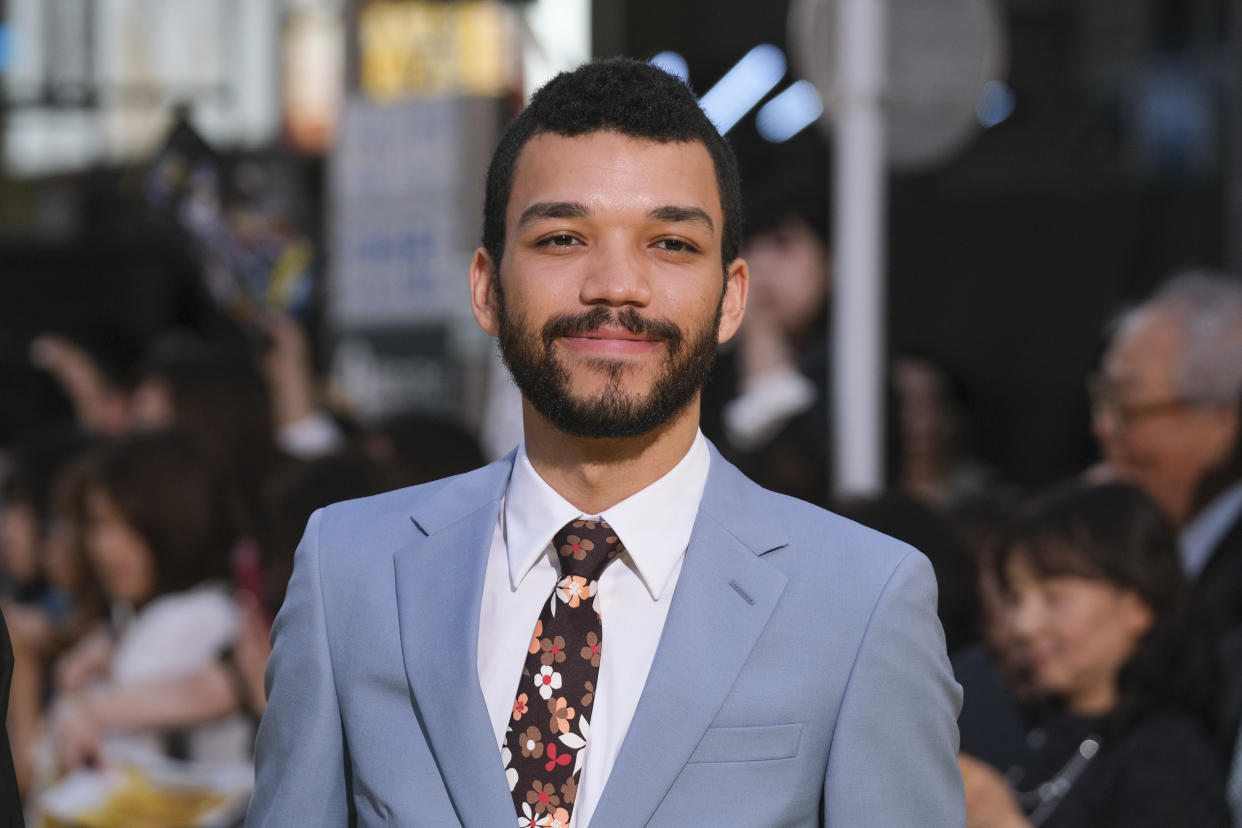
x=610, y=172
x=1146, y=349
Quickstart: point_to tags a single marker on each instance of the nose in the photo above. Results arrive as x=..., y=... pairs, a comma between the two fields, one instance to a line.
x=615, y=277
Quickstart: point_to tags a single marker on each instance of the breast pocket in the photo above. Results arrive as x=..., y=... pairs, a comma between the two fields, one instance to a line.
x=748, y=744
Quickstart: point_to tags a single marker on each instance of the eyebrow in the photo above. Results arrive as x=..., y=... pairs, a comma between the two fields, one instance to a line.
x=552, y=210
x=694, y=215
x=574, y=210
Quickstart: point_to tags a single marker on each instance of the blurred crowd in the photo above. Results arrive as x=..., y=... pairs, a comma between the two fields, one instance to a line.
x=146, y=542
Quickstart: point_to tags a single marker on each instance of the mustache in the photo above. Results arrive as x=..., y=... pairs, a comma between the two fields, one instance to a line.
x=577, y=324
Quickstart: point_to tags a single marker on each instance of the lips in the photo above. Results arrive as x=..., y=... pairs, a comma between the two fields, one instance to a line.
x=611, y=341
x=615, y=333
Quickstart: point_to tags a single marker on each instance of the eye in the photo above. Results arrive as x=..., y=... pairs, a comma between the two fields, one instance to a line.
x=676, y=246
x=558, y=240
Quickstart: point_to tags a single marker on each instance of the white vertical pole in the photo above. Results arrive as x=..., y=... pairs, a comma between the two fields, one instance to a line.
x=859, y=232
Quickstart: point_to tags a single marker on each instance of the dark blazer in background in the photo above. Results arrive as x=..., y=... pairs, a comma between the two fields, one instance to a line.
x=1218, y=589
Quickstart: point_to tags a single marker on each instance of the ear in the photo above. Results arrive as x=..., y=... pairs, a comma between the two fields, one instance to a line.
x=483, y=301
x=733, y=308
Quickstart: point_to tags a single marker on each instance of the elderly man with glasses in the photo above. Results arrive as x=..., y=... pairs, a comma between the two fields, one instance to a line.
x=1166, y=414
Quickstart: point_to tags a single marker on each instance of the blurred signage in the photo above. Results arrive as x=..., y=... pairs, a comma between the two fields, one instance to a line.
x=399, y=263
x=91, y=81
x=428, y=49
x=405, y=194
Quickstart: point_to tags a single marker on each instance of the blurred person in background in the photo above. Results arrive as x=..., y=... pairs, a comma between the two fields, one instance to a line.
x=1105, y=619
x=216, y=392
x=934, y=461
x=1165, y=413
x=26, y=508
x=34, y=533
x=20, y=537
x=273, y=382
x=766, y=404
x=232, y=682
x=57, y=599
x=67, y=560
x=95, y=370
x=154, y=535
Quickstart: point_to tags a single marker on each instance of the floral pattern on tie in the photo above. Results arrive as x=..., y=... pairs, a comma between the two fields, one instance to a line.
x=550, y=723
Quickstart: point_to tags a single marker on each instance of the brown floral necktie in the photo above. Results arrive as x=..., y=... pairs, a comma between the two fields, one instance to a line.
x=550, y=724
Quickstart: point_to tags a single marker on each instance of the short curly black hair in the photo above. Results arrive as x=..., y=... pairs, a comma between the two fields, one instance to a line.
x=613, y=95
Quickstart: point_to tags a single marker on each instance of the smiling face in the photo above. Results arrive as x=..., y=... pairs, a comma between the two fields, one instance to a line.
x=609, y=301
x=1076, y=633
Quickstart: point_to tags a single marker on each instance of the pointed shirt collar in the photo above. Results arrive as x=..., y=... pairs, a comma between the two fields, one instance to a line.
x=654, y=524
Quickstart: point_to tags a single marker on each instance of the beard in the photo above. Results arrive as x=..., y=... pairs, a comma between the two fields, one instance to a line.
x=614, y=412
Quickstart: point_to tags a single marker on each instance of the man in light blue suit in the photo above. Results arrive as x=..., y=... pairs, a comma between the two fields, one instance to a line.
x=763, y=662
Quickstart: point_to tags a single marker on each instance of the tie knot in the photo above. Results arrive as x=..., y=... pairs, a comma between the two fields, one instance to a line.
x=585, y=547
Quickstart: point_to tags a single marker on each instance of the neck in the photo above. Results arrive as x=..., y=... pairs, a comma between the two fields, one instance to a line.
x=1094, y=702
x=595, y=474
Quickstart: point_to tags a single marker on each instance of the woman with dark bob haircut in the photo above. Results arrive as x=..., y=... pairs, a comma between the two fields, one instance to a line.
x=153, y=534
x=1101, y=612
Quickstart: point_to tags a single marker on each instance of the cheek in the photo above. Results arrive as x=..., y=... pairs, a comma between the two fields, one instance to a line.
x=1156, y=452
x=1095, y=636
x=116, y=550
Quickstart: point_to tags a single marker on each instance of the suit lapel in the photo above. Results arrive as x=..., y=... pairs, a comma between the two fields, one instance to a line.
x=723, y=600
x=439, y=581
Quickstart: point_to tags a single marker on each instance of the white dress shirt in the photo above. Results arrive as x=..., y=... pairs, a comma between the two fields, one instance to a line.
x=634, y=596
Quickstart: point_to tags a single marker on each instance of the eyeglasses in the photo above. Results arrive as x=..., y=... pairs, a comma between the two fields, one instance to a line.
x=1105, y=401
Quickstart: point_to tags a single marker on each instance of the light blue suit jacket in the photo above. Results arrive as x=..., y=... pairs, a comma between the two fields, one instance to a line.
x=801, y=679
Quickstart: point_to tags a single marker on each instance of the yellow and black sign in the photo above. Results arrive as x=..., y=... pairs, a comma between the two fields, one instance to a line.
x=431, y=49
